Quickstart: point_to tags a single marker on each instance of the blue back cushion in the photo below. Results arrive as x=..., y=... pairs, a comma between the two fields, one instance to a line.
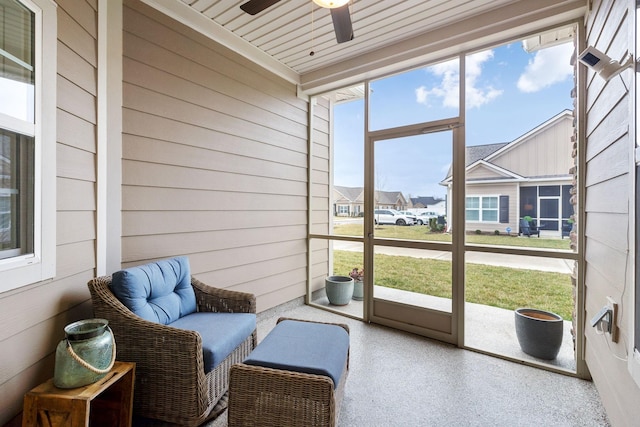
x=160, y=291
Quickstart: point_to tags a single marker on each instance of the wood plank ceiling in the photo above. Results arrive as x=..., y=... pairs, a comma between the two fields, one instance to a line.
x=386, y=32
x=291, y=29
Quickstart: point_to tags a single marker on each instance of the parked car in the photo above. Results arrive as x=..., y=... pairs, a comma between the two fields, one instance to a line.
x=424, y=217
x=391, y=216
x=409, y=215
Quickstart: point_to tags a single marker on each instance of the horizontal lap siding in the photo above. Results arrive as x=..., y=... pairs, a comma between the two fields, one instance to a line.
x=321, y=182
x=32, y=318
x=320, y=176
x=510, y=190
x=548, y=152
x=607, y=206
x=214, y=161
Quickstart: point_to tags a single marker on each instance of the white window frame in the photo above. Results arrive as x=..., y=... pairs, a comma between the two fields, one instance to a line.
x=23, y=270
x=481, y=210
x=633, y=348
x=633, y=353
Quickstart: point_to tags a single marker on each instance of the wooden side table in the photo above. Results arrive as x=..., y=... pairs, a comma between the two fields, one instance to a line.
x=107, y=402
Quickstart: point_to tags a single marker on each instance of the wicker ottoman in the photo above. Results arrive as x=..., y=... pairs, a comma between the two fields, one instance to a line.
x=294, y=377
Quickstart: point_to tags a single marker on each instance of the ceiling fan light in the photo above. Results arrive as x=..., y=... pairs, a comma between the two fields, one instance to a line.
x=330, y=4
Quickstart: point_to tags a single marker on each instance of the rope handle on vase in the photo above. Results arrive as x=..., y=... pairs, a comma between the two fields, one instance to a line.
x=91, y=367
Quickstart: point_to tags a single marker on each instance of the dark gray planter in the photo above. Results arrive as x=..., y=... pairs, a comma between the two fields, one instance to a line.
x=339, y=289
x=539, y=332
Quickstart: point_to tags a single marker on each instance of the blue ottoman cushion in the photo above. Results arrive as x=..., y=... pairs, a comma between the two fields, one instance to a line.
x=306, y=347
x=221, y=333
x=160, y=291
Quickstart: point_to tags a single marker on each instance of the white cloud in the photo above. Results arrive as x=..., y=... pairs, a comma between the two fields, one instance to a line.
x=447, y=89
x=547, y=67
x=422, y=95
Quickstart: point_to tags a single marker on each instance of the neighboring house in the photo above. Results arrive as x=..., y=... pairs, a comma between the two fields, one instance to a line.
x=390, y=200
x=349, y=201
x=525, y=177
x=428, y=203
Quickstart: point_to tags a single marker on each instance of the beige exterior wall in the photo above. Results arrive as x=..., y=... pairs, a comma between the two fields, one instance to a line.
x=609, y=193
x=32, y=318
x=320, y=168
x=321, y=183
x=214, y=161
x=508, y=189
x=484, y=172
x=547, y=152
x=214, y=167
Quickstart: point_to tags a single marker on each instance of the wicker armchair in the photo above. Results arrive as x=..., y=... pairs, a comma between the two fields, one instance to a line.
x=171, y=383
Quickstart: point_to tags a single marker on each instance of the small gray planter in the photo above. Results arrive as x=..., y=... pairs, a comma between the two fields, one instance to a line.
x=539, y=332
x=358, y=290
x=339, y=289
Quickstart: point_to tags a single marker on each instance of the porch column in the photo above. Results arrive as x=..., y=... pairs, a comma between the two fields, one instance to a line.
x=109, y=138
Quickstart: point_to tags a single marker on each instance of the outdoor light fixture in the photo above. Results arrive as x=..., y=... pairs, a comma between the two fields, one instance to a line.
x=603, y=64
x=331, y=4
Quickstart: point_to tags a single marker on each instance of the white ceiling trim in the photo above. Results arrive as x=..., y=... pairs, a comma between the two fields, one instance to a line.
x=197, y=21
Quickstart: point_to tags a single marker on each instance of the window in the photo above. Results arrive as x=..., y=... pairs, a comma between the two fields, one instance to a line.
x=529, y=202
x=16, y=194
x=343, y=209
x=473, y=209
x=549, y=190
x=482, y=208
x=27, y=141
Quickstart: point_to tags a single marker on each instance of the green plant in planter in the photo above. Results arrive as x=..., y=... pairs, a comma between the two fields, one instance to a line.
x=357, y=274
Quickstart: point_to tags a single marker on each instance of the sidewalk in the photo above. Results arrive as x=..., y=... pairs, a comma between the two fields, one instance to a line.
x=505, y=260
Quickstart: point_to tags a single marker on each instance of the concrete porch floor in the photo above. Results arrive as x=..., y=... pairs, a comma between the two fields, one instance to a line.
x=401, y=379
x=488, y=329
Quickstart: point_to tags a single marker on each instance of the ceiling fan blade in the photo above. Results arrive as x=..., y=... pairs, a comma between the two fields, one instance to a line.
x=253, y=7
x=342, y=23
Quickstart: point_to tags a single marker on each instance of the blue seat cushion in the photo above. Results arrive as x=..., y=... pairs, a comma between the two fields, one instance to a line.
x=221, y=333
x=160, y=291
x=306, y=347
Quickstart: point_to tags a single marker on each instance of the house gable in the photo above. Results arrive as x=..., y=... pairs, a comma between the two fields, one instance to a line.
x=348, y=194
x=543, y=151
x=482, y=170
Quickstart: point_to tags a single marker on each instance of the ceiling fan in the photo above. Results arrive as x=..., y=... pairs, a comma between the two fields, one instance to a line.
x=339, y=14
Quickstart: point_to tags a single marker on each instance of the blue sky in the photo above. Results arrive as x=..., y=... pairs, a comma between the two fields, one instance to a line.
x=509, y=92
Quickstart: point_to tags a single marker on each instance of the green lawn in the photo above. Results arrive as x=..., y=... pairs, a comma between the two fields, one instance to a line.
x=419, y=232
x=502, y=287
